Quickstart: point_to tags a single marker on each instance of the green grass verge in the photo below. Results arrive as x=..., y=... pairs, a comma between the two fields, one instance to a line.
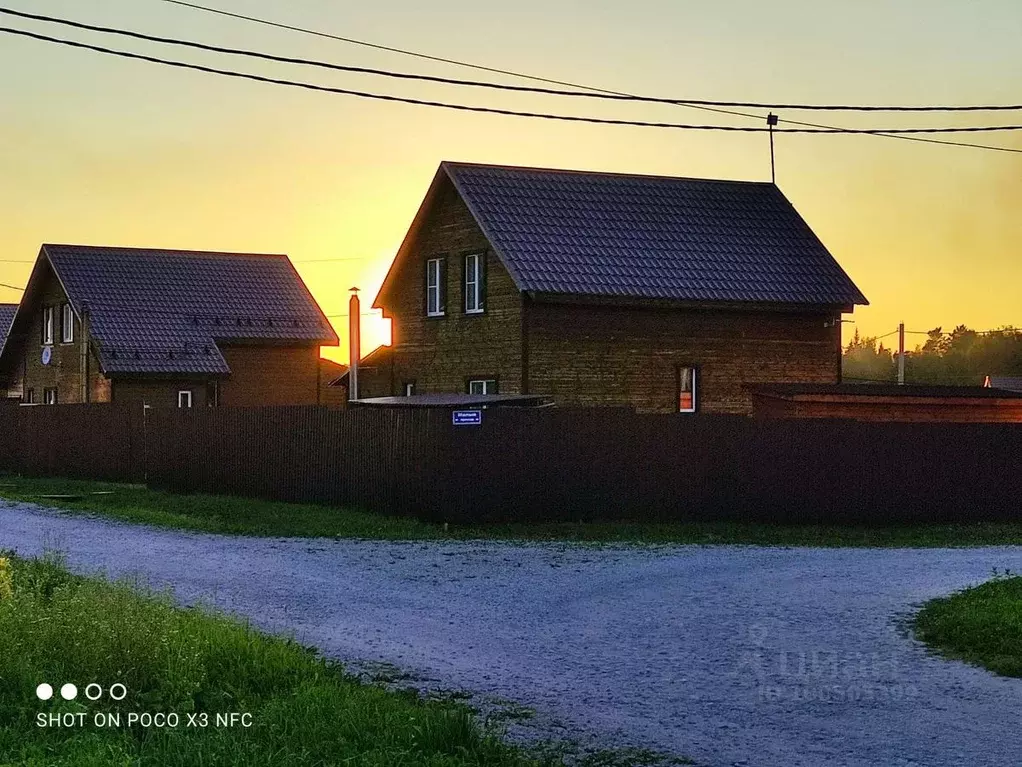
x=56, y=628
x=980, y=625
x=226, y=514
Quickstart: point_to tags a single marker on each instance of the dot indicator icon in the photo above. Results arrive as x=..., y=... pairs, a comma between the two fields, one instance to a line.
x=68, y=692
x=44, y=691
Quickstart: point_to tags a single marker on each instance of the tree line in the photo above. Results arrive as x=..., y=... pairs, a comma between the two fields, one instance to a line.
x=961, y=357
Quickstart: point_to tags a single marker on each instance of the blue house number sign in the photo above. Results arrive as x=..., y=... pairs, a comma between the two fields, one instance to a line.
x=467, y=417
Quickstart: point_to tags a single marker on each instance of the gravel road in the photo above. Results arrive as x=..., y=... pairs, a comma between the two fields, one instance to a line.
x=728, y=655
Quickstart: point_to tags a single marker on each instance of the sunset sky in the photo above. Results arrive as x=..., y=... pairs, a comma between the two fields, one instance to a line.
x=99, y=150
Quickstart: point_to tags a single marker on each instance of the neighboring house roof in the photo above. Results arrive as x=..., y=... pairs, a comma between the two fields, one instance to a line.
x=7, y=312
x=164, y=311
x=378, y=356
x=454, y=401
x=1009, y=383
x=330, y=369
x=649, y=237
x=845, y=390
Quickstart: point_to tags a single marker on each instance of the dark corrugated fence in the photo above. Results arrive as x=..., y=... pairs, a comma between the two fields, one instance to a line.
x=529, y=465
x=82, y=441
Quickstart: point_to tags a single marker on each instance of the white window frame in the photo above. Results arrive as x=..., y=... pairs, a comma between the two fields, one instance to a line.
x=410, y=389
x=485, y=384
x=694, y=385
x=184, y=395
x=67, y=324
x=434, y=293
x=50, y=395
x=49, y=315
x=473, y=284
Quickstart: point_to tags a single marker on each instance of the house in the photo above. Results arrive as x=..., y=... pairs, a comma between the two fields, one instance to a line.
x=1007, y=383
x=888, y=402
x=332, y=396
x=602, y=289
x=165, y=328
x=7, y=312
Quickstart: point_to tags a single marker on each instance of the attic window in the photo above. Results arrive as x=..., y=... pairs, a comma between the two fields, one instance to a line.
x=67, y=324
x=435, y=287
x=474, y=265
x=48, y=317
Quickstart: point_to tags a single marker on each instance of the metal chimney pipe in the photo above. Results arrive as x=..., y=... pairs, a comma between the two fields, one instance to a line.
x=355, y=343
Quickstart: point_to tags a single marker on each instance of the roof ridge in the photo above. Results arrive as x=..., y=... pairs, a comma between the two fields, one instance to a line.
x=609, y=174
x=162, y=251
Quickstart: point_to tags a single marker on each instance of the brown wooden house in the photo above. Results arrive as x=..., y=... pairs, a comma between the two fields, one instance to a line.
x=666, y=294
x=164, y=328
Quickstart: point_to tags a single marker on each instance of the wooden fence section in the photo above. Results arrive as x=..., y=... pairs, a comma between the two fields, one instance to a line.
x=539, y=465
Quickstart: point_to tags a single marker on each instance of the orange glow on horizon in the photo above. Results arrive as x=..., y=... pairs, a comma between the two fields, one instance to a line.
x=95, y=150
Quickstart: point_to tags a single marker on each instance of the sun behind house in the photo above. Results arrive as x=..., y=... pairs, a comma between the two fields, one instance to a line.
x=165, y=328
x=665, y=294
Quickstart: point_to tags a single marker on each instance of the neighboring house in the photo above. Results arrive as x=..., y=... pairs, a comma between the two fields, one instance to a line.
x=332, y=396
x=1007, y=383
x=888, y=402
x=167, y=328
x=666, y=294
x=373, y=369
x=7, y=312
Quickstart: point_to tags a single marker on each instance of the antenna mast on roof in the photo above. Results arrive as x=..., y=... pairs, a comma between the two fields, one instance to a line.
x=771, y=122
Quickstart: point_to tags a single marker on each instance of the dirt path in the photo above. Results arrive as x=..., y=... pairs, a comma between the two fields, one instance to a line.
x=729, y=655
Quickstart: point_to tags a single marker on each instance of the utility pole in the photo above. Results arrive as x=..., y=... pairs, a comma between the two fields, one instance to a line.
x=771, y=122
x=901, y=354
x=355, y=342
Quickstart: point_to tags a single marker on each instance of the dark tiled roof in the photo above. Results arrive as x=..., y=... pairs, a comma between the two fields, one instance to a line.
x=7, y=312
x=882, y=390
x=603, y=234
x=163, y=311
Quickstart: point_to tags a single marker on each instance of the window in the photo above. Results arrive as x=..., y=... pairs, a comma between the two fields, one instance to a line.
x=48, y=325
x=29, y=396
x=184, y=398
x=435, y=287
x=686, y=390
x=67, y=324
x=474, y=268
x=409, y=387
x=50, y=396
x=482, y=386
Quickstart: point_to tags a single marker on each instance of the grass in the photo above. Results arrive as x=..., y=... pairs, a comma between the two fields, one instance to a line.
x=56, y=627
x=980, y=625
x=231, y=515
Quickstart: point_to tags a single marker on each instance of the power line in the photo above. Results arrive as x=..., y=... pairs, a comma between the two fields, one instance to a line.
x=498, y=111
x=495, y=86
x=609, y=95
x=598, y=91
x=533, y=78
x=382, y=96
x=426, y=56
